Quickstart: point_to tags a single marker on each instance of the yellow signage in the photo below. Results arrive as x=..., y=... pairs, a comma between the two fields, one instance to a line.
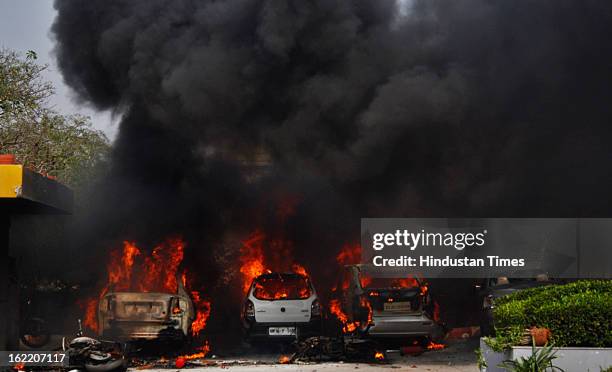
x=11, y=180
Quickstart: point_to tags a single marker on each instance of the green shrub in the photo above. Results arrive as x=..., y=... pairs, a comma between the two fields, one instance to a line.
x=555, y=291
x=510, y=336
x=577, y=314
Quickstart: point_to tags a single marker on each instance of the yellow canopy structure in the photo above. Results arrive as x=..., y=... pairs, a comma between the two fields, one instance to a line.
x=22, y=191
x=25, y=191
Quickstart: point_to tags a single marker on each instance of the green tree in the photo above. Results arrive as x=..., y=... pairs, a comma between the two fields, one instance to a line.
x=62, y=146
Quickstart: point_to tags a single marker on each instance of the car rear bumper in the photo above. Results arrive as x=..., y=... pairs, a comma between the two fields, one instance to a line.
x=256, y=330
x=127, y=331
x=402, y=326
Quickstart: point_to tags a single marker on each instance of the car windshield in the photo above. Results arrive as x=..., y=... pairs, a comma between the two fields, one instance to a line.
x=282, y=287
x=369, y=282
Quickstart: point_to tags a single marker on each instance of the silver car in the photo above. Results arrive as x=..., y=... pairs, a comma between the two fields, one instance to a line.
x=386, y=307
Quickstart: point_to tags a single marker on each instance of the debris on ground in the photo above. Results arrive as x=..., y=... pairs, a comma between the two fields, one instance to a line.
x=172, y=363
x=463, y=333
x=334, y=349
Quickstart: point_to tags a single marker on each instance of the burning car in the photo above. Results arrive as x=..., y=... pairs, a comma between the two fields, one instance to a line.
x=383, y=307
x=145, y=296
x=146, y=315
x=281, y=306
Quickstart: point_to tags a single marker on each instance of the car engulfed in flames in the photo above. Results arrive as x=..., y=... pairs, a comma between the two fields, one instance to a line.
x=281, y=306
x=280, y=301
x=382, y=307
x=146, y=296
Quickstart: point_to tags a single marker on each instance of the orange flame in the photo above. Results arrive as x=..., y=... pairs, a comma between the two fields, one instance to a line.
x=284, y=359
x=159, y=271
x=349, y=255
x=279, y=288
x=252, y=259
x=90, y=316
x=253, y=262
x=120, y=265
x=336, y=309
x=365, y=281
x=379, y=356
x=406, y=283
x=129, y=269
x=365, y=302
x=155, y=273
x=202, y=351
x=434, y=346
x=202, y=313
x=299, y=269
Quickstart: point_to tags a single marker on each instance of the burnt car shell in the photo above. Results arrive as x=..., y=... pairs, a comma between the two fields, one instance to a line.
x=132, y=316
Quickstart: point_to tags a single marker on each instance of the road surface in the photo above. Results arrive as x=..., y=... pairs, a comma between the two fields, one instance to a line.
x=457, y=357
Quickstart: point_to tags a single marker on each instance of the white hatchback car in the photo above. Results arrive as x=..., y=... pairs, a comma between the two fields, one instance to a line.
x=281, y=306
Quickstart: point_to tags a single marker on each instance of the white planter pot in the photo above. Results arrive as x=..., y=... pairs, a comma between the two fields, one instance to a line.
x=570, y=359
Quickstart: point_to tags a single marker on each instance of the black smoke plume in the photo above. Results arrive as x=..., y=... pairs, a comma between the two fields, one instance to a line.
x=363, y=108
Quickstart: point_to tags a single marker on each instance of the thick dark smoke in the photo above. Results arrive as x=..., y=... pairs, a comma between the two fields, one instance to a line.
x=367, y=108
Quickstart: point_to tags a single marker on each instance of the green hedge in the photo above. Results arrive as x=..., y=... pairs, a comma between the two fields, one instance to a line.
x=577, y=314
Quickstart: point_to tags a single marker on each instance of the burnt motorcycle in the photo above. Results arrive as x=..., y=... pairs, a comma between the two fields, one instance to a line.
x=95, y=355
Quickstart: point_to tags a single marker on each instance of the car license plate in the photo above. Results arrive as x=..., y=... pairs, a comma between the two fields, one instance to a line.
x=396, y=306
x=281, y=331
